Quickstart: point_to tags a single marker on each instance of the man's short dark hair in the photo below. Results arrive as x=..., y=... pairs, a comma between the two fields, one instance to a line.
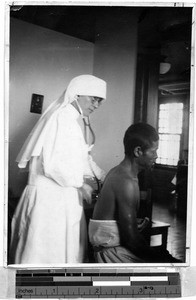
x=139, y=134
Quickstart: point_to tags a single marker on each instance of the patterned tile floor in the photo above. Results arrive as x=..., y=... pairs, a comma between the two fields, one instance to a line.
x=176, y=243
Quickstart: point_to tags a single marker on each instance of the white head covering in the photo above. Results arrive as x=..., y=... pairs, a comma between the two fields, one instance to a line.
x=88, y=85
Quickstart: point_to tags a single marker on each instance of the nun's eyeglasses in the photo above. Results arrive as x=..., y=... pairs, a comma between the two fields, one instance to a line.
x=96, y=100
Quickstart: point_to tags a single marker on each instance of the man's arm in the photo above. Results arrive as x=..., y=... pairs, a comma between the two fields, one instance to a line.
x=127, y=201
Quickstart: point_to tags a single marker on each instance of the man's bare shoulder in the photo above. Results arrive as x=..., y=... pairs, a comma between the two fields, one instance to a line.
x=119, y=192
x=119, y=179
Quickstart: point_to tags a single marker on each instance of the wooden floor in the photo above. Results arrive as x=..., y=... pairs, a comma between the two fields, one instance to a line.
x=176, y=243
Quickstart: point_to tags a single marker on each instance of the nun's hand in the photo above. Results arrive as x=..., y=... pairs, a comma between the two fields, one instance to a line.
x=87, y=191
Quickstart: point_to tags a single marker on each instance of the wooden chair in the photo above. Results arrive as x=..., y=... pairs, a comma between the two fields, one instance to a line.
x=155, y=227
x=160, y=228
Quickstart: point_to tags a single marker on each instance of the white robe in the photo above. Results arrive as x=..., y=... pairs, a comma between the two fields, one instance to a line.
x=49, y=223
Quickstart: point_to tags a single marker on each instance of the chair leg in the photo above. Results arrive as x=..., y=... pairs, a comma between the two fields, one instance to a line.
x=164, y=238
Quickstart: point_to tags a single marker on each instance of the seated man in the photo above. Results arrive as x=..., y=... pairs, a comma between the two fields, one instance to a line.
x=113, y=230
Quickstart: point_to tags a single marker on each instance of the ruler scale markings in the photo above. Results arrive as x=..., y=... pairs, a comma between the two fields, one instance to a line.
x=138, y=291
x=50, y=284
x=85, y=291
x=40, y=291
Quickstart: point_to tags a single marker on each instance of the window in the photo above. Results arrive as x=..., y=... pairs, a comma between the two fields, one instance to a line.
x=170, y=130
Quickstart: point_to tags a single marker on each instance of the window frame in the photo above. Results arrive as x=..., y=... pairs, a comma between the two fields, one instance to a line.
x=185, y=130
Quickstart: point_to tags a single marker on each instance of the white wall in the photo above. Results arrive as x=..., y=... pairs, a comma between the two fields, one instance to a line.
x=115, y=61
x=41, y=61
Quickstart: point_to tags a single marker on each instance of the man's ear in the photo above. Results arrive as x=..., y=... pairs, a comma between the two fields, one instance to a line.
x=137, y=151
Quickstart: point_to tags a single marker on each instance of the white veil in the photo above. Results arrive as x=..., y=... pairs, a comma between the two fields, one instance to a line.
x=88, y=85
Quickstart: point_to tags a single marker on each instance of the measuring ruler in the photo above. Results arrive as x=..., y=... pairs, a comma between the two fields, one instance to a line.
x=99, y=283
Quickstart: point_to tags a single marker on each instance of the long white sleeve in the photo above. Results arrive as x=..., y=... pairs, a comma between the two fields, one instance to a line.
x=94, y=169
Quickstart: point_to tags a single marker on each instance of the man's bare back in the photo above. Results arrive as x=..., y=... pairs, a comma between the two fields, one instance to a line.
x=117, y=184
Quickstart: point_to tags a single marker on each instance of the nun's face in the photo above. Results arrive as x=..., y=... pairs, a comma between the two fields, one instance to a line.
x=88, y=104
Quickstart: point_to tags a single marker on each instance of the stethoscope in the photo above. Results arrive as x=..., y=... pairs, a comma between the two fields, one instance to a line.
x=87, y=124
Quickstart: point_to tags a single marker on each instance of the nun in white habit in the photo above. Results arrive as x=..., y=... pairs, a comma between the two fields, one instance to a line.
x=49, y=225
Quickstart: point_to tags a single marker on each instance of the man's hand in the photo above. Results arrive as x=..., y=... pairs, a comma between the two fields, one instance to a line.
x=142, y=223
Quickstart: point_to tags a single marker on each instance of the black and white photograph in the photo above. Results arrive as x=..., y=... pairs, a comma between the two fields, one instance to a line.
x=100, y=134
